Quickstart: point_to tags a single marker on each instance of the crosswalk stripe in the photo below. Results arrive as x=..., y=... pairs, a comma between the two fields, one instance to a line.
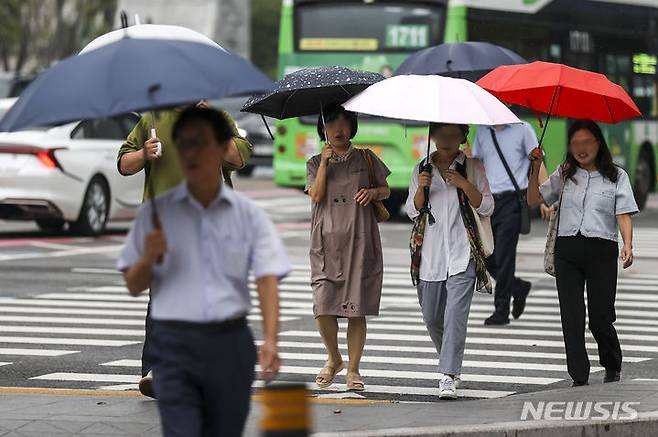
x=478, y=319
x=405, y=374
x=36, y=352
x=68, y=310
x=510, y=331
x=4, y=364
x=67, y=341
x=473, y=340
x=103, y=297
x=75, y=320
x=89, y=377
x=425, y=391
x=39, y=301
x=75, y=331
x=432, y=351
x=321, y=358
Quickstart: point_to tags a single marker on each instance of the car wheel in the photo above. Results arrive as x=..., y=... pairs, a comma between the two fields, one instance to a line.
x=643, y=178
x=51, y=226
x=95, y=207
x=247, y=170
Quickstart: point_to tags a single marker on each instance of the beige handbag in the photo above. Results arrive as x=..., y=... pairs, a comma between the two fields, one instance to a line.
x=551, y=236
x=483, y=223
x=381, y=213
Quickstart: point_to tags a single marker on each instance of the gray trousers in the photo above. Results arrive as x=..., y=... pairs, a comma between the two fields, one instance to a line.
x=445, y=306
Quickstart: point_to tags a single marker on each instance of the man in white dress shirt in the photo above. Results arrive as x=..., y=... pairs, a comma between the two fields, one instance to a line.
x=196, y=263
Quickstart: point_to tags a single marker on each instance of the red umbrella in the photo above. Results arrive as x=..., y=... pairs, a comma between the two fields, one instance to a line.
x=558, y=89
x=561, y=90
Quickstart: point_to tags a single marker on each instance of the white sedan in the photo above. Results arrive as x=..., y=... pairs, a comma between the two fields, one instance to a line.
x=68, y=174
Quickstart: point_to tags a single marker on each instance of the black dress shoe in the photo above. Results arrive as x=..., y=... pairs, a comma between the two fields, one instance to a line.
x=611, y=375
x=519, y=299
x=579, y=383
x=496, y=319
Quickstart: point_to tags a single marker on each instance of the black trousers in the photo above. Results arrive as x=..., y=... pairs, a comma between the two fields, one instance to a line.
x=147, y=354
x=506, y=227
x=202, y=378
x=581, y=261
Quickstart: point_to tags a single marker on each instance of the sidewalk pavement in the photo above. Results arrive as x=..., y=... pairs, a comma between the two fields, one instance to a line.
x=35, y=412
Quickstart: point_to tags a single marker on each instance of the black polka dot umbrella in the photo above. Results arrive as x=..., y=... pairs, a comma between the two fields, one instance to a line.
x=305, y=91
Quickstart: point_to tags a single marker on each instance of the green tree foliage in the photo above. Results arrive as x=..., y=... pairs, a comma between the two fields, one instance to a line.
x=265, y=16
x=35, y=33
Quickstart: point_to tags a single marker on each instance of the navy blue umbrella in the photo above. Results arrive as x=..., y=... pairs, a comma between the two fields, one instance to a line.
x=467, y=60
x=132, y=75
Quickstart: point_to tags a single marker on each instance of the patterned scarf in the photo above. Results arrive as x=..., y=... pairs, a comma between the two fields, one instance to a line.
x=483, y=281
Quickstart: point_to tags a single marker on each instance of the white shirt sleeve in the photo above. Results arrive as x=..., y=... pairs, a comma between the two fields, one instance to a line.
x=133, y=248
x=529, y=139
x=550, y=189
x=481, y=182
x=268, y=254
x=410, y=207
x=624, y=198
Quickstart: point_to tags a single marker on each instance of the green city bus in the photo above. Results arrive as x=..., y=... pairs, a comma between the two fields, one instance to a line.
x=617, y=38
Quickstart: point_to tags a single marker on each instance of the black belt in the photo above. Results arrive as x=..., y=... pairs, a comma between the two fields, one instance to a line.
x=506, y=194
x=218, y=327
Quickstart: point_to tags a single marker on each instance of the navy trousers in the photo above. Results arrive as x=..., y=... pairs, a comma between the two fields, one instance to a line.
x=202, y=378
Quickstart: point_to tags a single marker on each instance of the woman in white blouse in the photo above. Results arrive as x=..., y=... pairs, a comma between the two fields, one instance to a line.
x=594, y=196
x=452, y=260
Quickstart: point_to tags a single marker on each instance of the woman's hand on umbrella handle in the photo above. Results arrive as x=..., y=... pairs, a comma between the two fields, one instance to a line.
x=424, y=179
x=327, y=151
x=536, y=157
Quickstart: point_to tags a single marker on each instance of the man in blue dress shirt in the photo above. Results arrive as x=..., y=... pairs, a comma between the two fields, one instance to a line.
x=196, y=261
x=516, y=141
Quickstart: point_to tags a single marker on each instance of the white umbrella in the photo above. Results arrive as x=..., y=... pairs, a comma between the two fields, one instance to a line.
x=150, y=31
x=433, y=99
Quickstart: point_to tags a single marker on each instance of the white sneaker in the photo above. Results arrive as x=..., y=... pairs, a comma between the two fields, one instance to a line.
x=447, y=389
x=146, y=385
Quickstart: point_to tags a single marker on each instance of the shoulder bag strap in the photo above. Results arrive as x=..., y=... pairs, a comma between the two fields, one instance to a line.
x=504, y=161
x=371, y=172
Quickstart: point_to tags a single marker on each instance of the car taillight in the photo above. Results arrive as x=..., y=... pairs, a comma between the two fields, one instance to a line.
x=47, y=158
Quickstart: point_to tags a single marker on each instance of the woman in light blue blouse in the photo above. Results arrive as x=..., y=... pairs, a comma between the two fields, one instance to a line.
x=596, y=198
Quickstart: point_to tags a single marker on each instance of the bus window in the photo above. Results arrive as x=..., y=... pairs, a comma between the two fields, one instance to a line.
x=358, y=27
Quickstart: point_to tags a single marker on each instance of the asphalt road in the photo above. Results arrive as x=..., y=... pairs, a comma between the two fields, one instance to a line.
x=67, y=322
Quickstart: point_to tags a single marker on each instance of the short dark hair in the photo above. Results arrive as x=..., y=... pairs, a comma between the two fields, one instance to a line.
x=331, y=112
x=436, y=126
x=217, y=121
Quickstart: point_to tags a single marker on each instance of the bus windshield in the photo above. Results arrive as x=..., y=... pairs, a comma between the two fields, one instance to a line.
x=359, y=27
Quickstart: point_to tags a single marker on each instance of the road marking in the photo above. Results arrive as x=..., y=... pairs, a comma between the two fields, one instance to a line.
x=67, y=310
x=67, y=341
x=38, y=301
x=511, y=331
x=433, y=376
x=432, y=351
x=509, y=341
x=75, y=331
x=95, y=271
x=36, y=352
x=4, y=364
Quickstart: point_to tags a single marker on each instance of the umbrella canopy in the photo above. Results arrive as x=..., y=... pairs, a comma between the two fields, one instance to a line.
x=432, y=99
x=305, y=91
x=132, y=75
x=468, y=60
x=150, y=31
x=561, y=90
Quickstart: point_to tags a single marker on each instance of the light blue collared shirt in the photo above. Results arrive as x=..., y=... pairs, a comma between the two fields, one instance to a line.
x=591, y=204
x=516, y=141
x=210, y=251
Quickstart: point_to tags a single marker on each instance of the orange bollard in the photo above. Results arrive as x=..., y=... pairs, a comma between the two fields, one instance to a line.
x=286, y=411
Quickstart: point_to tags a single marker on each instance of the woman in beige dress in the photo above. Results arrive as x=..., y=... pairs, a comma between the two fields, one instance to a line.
x=346, y=253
